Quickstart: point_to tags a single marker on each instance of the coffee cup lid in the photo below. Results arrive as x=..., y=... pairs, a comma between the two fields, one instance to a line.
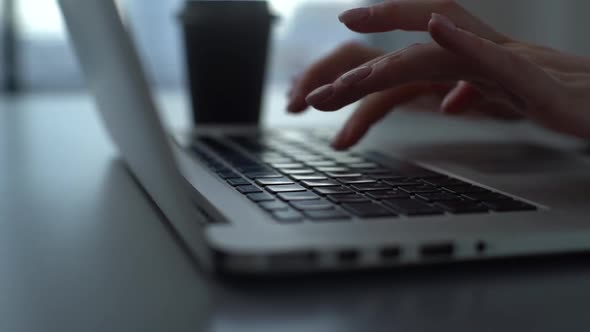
x=207, y=10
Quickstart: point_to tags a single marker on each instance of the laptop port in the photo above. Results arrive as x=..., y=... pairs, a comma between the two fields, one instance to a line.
x=481, y=247
x=293, y=260
x=348, y=256
x=389, y=253
x=437, y=250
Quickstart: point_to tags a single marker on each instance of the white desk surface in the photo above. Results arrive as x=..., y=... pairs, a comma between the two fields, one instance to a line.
x=81, y=249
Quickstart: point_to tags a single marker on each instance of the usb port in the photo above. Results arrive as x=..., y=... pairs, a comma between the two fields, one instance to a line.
x=348, y=256
x=389, y=253
x=437, y=250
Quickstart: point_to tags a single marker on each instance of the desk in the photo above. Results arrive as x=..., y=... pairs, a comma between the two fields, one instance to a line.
x=81, y=249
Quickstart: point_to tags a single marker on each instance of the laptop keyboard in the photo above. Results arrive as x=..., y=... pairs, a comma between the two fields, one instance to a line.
x=304, y=179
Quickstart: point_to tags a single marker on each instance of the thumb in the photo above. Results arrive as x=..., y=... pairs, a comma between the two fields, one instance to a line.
x=495, y=62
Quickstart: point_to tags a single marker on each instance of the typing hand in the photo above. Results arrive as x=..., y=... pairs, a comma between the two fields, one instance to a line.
x=470, y=62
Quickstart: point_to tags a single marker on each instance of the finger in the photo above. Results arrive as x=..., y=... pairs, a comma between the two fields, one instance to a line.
x=507, y=69
x=326, y=70
x=376, y=106
x=413, y=15
x=294, y=80
x=417, y=63
x=461, y=98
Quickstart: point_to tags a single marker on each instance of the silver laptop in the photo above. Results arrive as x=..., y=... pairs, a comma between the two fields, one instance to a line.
x=248, y=201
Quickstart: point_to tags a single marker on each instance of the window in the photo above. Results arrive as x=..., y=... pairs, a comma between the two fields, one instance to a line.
x=307, y=29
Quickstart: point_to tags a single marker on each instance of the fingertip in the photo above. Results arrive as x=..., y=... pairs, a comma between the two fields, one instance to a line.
x=341, y=144
x=431, y=23
x=446, y=107
x=440, y=26
x=338, y=146
x=339, y=141
x=355, y=15
x=296, y=107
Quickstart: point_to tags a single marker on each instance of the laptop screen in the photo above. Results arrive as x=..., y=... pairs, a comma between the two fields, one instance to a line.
x=116, y=79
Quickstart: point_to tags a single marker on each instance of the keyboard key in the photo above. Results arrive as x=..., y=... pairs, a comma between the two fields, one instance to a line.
x=357, y=180
x=509, y=206
x=333, y=190
x=412, y=207
x=310, y=177
x=465, y=189
x=437, y=197
x=238, y=182
x=298, y=196
x=371, y=187
x=285, y=188
x=368, y=210
x=389, y=176
x=388, y=194
x=326, y=215
x=321, y=183
x=363, y=165
x=460, y=207
x=417, y=172
x=444, y=181
x=261, y=197
x=321, y=163
x=424, y=188
x=262, y=175
x=228, y=174
x=348, y=198
x=288, y=215
x=402, y=181
x=487, y=196
x=299, y=171
x=332, y=169
x=249, y=189
x=347, y=159
x=375, y=171
x=287, y=165
x=312, y=205
x=273, y=181
x=274, y=205
x=342, y=175
x=308, y=157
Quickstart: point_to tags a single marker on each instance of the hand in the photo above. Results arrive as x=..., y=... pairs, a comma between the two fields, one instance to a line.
x=547, y=86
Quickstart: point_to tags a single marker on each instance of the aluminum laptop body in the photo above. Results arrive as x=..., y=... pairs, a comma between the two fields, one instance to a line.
x=229, y=231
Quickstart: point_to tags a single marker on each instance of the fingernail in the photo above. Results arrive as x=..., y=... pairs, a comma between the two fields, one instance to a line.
x=354, y=15
x=444, y=21
x=356, y=75
x=320, y=94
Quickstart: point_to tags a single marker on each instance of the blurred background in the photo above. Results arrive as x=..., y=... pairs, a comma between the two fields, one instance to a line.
x=35, y=55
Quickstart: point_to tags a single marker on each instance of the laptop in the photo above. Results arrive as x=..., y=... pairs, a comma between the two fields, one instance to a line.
x=249, y=201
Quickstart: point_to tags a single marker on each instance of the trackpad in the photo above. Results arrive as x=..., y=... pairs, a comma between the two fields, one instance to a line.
x=501, y=158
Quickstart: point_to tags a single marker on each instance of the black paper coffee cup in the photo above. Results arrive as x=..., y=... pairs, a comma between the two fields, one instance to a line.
x=227, y=45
